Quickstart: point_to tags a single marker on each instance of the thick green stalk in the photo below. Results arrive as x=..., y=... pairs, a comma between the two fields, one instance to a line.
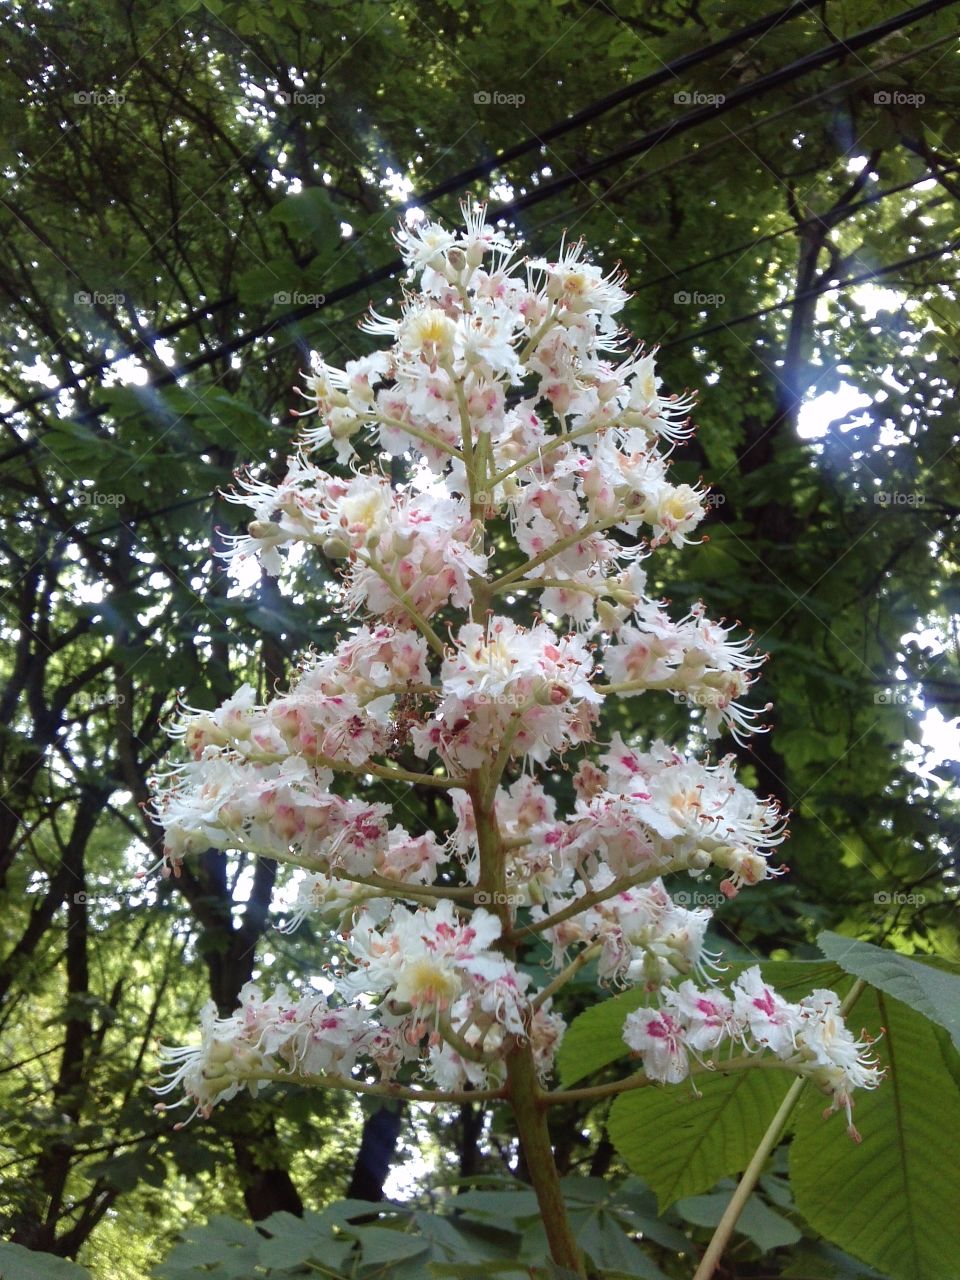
x=523, y=1091
x=525, y=1098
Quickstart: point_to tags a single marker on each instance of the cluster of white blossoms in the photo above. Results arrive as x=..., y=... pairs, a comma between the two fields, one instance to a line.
x=808, y=1037
x=292, y=1038
x=500, y=598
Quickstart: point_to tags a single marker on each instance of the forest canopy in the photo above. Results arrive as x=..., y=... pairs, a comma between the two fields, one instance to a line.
x=197, y=197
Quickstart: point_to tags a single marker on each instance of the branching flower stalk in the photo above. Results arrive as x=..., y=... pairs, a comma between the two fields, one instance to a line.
x=481, y=654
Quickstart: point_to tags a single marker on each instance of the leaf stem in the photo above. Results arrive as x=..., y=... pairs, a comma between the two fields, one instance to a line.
x=721, y=1237
x=745, y=1187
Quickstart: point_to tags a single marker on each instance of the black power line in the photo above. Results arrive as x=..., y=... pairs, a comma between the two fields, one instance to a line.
x=690, y=120
x=814, y=220
x=817, y=291
x=669, y=71
x=682, y=124
x=458, y=181
x=707, y=113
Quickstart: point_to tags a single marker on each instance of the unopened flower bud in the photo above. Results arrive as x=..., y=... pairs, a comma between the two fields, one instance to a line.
x=263, y=529
x=335, y=549
x=610, y=618
x=622, y=596
x=220, y=1051
x=343, y=424
x=551, y=694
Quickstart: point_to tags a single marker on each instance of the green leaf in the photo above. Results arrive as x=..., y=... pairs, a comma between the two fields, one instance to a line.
x=682, y=1144
x=309, y=214
x=595, y=1038
x=758, y=1222
x=500, y=1205
x=811, y=1258
x=468, y=1270
x=930, y=991
x=601, y=1226
x=294, y=1240
x=636, y=1204
x=18, y=1263
x=381, y=1245
x=269, y=281
x=607, y=1245
x=229, y=1246
x=892, y=1200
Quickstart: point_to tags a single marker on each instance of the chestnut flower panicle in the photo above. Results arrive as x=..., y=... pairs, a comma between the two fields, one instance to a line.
x=533, y=437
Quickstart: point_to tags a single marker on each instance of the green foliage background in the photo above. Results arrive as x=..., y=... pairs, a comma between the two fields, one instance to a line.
x=181, y=183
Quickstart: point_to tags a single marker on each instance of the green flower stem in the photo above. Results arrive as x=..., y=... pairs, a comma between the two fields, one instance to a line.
x=402, y=690
x=523, y=1090
x=564, y=976
x=562, y=584
x=382, y=886
x=393, y=774
x=747, y=1062
x=585, y=531
x=536, y=338
x=466, y=434
x=472, y=1053
x=434, y=641
x=638, y=686
x=589, y=900
x=537, y=454
x=417, y=432
x=495, y=772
